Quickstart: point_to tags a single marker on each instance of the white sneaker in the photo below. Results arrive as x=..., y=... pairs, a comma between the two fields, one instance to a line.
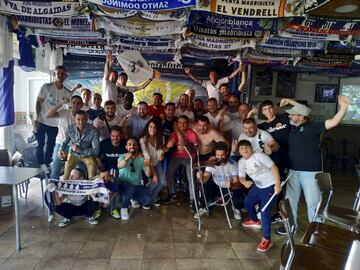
x=201, y=213
x=65, y=222
x=124, y=214
x=237, y=214
x=134, y=204
x=258, y=215
x=92, y=221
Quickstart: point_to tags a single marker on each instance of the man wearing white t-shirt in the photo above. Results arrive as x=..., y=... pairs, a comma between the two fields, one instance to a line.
x=126, y=109
x=51, y=94
x=218, y=118
x=213, y=84
x=265, y=175
x=184, y=108
x=109, y=89
x=104, y=122
x=66, y=118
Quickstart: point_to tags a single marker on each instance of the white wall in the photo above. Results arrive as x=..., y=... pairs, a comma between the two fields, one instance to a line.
x=304, y=90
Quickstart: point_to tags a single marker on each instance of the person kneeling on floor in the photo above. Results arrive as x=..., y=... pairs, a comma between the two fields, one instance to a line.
x=266, y=177
x=69, y=206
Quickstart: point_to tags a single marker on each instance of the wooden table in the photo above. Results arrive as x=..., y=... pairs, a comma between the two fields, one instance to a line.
x=15, y=176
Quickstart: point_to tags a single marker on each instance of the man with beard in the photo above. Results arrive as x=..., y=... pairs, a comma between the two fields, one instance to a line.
x=208, y=137
x=305, y=153
x=109, y=90
x=135, y=124
x=235, y=127
x=198, y=108
x=223, y=174
x=105, y=121
x=156, y=109
x=218, y=119
x=225, y=94
x=233, y=108
x=96, y=108
x=46, y=129
x=183, y=107
x=131, y=165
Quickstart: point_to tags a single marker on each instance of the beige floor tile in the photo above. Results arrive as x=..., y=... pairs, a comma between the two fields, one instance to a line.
x=184, y=223
x=91, y=264
x=97, y=249
x=125, y=264
x=158, y=235
x=7, y=248
x=33, y=249
x=55, y=264
x=190, y=250
x=74, y=234
x=19, y=263
x=247, y=251
x=220, y=250
x=159, y=250
x=220, y=264
x=128, y=250
x=65, y=249
x=187, y=236
x=252, y=264
x=192, y=264
x=159, y=264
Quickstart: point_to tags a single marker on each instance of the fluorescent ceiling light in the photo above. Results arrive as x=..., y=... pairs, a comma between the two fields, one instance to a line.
x=346, y=8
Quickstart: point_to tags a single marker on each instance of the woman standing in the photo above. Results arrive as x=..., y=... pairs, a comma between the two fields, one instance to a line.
x=152, y=145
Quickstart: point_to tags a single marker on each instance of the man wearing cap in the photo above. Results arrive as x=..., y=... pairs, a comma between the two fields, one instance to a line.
x=305, y=153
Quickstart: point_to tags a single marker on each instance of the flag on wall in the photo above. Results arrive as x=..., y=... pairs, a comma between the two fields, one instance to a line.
x=7, y=95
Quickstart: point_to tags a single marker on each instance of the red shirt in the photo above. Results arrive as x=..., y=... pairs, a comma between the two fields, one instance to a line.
x=154, y=111
x=190, y=137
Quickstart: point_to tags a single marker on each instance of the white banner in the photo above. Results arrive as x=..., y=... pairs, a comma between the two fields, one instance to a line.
x=143, y=28
x=68, y=34
x=40, y=9
x=278, y=51
x=220, y=44
x=138, y=42
x=287, y=43
x=75, y=23
x=135, y=66
x=296, y=34
x=253, y=9
x=89, y=51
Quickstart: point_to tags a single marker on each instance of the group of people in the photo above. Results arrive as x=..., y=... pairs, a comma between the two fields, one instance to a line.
x=139, y=151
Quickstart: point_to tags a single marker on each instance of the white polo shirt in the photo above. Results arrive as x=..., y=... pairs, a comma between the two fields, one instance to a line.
x=213, y=90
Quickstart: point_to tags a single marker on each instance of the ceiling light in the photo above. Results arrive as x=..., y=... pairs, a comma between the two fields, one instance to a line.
x=346, y=8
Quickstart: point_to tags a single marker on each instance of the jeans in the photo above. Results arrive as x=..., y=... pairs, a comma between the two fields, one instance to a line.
x=301, y=180
x=261, y=196
x=56, y=163
x=129, y=191
x=174, y=165
x=68, y=210
x=89, y=161
x=50, y=132
x=155, y=189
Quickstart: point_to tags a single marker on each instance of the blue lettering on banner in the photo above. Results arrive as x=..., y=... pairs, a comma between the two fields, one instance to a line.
x=275, y=42
x=214, y=20
x=146, y=5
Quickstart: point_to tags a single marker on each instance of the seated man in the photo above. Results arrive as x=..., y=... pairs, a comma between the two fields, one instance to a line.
x=131, y=165
x=75, y=205
x=223, y=174
x=82, y=140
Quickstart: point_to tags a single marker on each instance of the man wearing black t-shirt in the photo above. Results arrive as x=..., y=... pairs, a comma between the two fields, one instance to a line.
x=305, y=153
x=111, y=149
x=167, y=127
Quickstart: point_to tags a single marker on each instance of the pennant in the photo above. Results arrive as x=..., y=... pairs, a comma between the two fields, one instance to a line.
x=78, y=35
x=73, y=24
x=296, y=34
x=220, y=44
x=277, y=42
x=149, y=5
x=7, y=95
x=205, y=30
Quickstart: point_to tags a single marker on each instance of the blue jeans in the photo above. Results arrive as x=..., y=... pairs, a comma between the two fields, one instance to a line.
x=56, y=163
x=301, y=180
x=155, y=189
x=50, y=132
x=261, y=196
x=129, y=191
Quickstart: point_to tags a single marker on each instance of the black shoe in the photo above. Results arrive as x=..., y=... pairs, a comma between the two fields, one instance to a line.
x=172, y=198
x=281, y=231
x=276, y=218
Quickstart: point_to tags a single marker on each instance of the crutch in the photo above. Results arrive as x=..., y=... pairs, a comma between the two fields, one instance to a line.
x=201, y=181
x=193, y=189
x=273, y=196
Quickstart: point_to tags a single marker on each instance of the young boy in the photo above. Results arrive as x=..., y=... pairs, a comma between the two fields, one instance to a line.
x=265, y=175
x=114, y=191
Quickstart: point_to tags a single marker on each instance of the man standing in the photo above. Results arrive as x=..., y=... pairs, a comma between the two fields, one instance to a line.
x=126, y=109
x=66, y=118
x=157, y=109
x=213, y=84
x=50, y=95
x=218, y=119
x=96, y=108
x=109, y=90
x=105, y=121
x=135, y=125
x=305, y=153
x=123, y=88
x=184, y=107
x=82, y=140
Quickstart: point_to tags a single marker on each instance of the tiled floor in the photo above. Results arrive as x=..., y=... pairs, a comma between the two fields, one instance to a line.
x=160, y=238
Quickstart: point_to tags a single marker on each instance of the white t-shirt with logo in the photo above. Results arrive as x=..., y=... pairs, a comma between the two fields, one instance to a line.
x=121, y=112
x=52, y=96
x=214, y=121
x=104, y=130
x=213, y=90
x=223, y=172
x=109, y=92
x=258, y=167
x=66, y=118
x=188, y=113
x=257, y=142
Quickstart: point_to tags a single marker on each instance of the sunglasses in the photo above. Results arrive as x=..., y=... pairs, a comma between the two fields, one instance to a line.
x=132, y=167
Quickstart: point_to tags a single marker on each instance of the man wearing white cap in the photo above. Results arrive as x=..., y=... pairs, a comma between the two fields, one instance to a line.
x=305, y=153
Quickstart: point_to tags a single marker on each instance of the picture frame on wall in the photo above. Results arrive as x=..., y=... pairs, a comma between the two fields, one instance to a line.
x=263, y=83
x=286, y=82
x=326, y=93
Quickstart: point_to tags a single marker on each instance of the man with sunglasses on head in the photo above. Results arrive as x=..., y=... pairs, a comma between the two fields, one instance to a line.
x=131, y=165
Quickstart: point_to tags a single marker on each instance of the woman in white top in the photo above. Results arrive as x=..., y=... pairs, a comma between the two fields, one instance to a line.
x=152, y=147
